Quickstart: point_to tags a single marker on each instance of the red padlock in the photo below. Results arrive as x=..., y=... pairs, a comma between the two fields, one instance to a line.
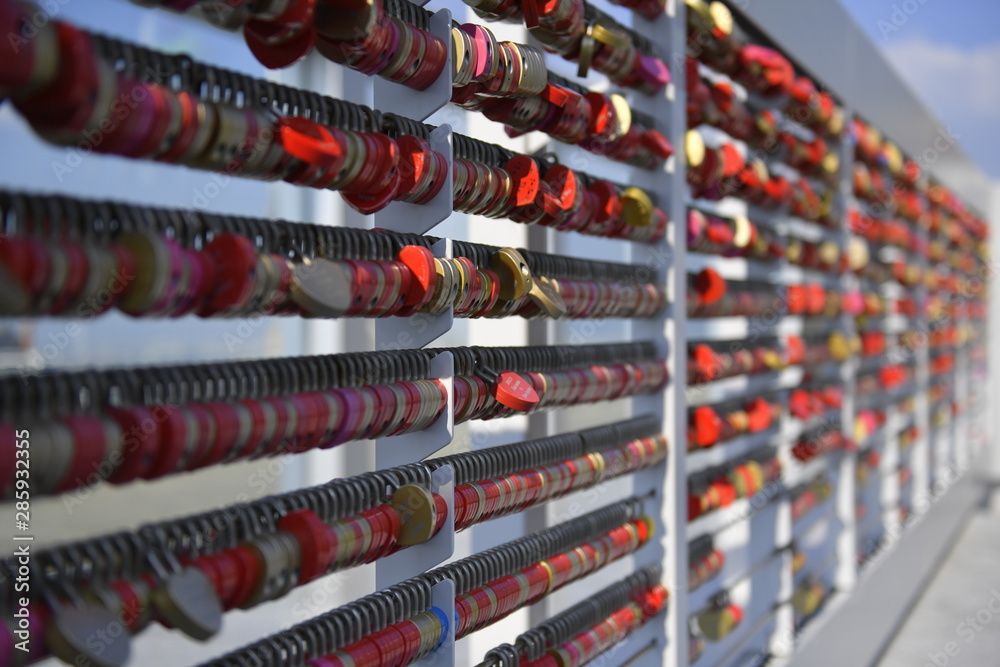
x=709, y=286
x=285, y=39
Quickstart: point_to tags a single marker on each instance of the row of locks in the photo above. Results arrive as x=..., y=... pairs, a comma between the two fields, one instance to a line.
x=794, y=294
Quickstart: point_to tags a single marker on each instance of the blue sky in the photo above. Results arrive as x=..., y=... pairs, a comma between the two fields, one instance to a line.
x=949, y=52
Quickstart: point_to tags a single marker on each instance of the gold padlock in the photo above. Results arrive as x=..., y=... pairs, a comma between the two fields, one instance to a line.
x=719, y=622
x=694, y=148
x=637, y=207
x=722, y=18
x=417, y=512
x=545, y=294
x=515, y=276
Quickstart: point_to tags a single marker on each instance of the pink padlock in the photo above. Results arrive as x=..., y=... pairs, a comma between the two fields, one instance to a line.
x=483, y=63
x=853, y=303
x=652, y=71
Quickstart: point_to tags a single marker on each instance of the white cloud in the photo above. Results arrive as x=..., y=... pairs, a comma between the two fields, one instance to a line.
x=951, y=79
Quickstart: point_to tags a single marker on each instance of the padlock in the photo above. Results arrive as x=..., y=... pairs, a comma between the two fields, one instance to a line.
x=70, y=630
x=418, y=514
x=364, y=38
x=316, y=544
x=186, y=600
x=718, y=622
x=282, y=40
